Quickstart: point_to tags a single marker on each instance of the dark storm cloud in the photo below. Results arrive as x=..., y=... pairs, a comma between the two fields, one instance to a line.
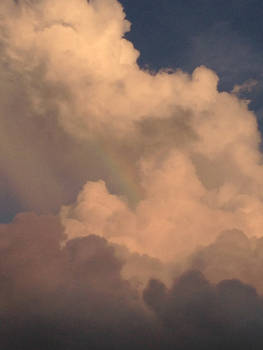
x=73, y=297
x=194, y=314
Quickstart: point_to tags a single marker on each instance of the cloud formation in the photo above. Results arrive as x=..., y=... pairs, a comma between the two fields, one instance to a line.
x=70, y=297
x=231, y=255
x=175, y=189
x=196, y=314
x=166, y=163
x=74, y=297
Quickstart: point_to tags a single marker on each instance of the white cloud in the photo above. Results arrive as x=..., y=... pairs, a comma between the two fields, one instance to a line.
x=190, y=191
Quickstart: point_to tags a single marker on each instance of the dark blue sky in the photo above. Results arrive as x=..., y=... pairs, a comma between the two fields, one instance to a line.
x=223, y=35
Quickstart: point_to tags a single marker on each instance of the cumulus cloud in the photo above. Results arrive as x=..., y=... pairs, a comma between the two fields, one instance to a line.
x=178, y=188
x=81, y=49
x=166, y=163
x=204, y=178
x=189, y=198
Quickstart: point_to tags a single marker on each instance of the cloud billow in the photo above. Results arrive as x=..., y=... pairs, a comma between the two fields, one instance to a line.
x=196, y=314
x=73, y=296
x=138, y=174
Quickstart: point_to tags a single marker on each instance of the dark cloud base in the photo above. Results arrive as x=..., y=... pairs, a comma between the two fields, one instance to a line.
x=73, y=297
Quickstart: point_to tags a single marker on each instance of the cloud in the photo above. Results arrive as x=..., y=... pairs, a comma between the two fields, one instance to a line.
x=189, y=198
x=166, y=162
x=231, y=255
x=203, y=178
x=71, y=72
x=196, y=158
x=247, y=86
x=73, y=296
x=64, y=297
x=196, y=314
x=80, y=47
x=178, y=160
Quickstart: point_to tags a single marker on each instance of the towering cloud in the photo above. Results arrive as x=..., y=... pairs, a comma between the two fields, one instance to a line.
x=166, y=163
x=184, y=150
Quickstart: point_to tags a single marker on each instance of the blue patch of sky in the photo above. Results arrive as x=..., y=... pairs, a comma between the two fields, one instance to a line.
x=226, y=36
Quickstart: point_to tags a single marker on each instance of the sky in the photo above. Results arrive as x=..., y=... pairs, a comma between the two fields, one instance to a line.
x=131, y=174
x=222, y=35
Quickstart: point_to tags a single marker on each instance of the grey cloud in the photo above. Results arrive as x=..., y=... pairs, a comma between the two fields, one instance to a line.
x=73, y=296
x=232, y=255
x=195, y=314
